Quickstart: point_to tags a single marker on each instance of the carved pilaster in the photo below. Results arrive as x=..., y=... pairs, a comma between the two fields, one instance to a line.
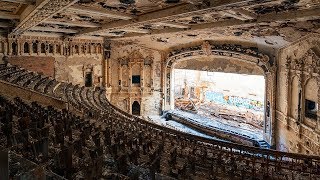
x=318, y=113
x=38, y=48
x=54, y=49
x=5, y=48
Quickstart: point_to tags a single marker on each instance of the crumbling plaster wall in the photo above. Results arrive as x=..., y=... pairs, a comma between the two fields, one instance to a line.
x=127, y=60
x=63, y=68
x=40, y=64
x=72, y=68
x=298, y=73
x=65, y=60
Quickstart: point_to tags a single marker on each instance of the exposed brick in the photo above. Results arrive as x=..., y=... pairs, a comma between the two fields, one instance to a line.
x=43, y=65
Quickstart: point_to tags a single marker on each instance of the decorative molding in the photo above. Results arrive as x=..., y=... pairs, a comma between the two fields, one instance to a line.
x=43, y=11
x=248, y=54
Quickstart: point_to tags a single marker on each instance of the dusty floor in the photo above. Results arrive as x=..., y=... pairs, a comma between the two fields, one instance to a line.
x=177, y=126
x=233, y=116
x=241, y=120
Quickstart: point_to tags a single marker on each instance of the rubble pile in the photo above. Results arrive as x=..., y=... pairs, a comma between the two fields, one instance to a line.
x=186, y=104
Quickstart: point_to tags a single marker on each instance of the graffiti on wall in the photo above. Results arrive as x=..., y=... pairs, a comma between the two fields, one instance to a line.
x=220, y=98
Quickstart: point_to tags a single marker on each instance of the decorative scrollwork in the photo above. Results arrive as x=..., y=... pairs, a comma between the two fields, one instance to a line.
x=250, y=54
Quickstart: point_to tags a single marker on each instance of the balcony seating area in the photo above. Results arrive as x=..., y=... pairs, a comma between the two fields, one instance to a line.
x=105, y=142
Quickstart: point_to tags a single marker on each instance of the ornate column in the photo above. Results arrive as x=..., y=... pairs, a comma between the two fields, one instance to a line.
x=61, y=49
x=151, y=75
x=130, y=77
x=30, y=47
x=299, y=121
x=318, y=113
x=5, y=48
x=120, y=74
x=142, y=75
x=54, y=49
x=38, y=48
x=10, y=47
x=90, y=48
x=289, y=89
x=272, y=99
x=20, y=48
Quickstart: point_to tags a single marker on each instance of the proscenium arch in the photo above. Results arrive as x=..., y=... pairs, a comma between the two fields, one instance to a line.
x=210, y=50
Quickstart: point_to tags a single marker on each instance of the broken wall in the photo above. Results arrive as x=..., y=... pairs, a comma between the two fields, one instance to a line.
x=298, y=83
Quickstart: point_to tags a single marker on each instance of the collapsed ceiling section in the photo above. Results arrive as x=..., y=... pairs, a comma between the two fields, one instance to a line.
x=163, y=23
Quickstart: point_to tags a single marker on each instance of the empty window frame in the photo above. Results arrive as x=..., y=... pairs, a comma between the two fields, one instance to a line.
x=136, y=79
x=311, y=109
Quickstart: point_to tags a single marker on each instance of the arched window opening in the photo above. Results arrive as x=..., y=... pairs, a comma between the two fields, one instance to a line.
x=43, y=48
x=136, y=108
x=88, y=79
x=14, y=48
x=26, y=48
x=76, y=47
x=35, y=47
x=58, y=50
x=311, y=99
x=1, y=47
x=50, y=48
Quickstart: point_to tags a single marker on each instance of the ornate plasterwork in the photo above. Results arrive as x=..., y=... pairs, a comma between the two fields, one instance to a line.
x=301, y=65
x=249, y=54
x=9, y=7
x=308, y=65
x=229, y=51
x=45, y=10
x=30, y=45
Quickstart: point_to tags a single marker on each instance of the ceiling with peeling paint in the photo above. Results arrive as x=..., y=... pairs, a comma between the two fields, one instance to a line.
x=164, y=24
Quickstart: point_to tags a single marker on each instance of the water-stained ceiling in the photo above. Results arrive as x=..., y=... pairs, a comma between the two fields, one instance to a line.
x=162, y=24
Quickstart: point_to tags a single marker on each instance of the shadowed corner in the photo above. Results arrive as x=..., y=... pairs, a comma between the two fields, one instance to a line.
x=4, y=165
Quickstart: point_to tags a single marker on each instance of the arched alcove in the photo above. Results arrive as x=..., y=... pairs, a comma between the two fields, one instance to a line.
x=26, y=47
x=43, y=48
x=135, y=108
x=58, y=50
x=35, y=47
x=311, y=99
x=14, y=48
x=76, y=48
x=88, y=80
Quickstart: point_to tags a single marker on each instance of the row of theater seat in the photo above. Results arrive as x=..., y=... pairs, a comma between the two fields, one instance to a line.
x=84, y=98
x=64, y=143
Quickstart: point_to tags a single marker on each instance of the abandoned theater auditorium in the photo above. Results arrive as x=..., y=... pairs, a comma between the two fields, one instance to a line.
x=159, y=89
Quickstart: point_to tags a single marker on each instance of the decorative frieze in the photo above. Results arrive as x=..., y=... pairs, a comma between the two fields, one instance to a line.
x=45, y=46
